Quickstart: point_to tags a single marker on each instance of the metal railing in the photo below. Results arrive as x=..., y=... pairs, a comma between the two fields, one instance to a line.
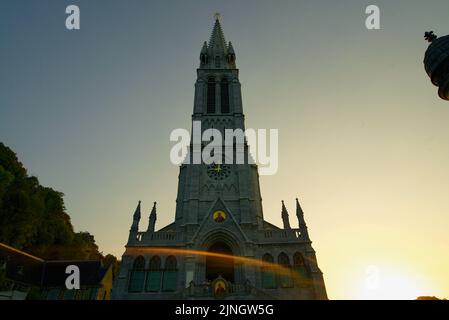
x=164, y=237
x=280, y=235
x=205, y=290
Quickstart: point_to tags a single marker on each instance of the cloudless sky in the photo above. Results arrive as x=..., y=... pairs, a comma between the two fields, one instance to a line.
x=363, y=136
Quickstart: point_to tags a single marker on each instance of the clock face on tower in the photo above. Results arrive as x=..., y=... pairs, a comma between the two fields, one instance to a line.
x=218, y=171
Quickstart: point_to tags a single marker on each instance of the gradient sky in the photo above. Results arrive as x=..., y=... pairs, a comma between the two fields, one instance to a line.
x=363, y=136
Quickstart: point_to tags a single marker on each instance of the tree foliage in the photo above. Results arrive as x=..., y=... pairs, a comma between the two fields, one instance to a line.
x=33, y=218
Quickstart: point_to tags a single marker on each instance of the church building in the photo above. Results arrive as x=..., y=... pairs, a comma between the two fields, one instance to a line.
x=219, y=246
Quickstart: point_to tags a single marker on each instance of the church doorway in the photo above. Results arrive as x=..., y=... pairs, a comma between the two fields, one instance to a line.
x=220, y=266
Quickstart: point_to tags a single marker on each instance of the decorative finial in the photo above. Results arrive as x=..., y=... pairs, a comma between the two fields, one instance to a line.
x=430, y=36
x=217, y=16
x=153, y=210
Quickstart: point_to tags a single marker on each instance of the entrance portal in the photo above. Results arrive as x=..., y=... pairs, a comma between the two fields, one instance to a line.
x=220, y=266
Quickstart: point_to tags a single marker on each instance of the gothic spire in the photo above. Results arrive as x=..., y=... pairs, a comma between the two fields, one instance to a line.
x=299, y=211
x=230, y=48
x=153, y=217
x=153, y=210
x=217, y=40
x=284, y=214
x=217, y=54
x=204, y=48
x=135, y=225
x=301, y=222
x=136, y=215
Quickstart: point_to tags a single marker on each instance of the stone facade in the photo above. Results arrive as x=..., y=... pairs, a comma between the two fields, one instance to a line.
x=219, y=211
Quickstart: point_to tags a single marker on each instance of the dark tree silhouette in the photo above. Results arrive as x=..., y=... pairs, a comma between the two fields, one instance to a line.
x=33, y=218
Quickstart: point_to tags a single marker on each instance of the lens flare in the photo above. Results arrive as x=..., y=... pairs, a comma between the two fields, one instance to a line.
x=269, y=266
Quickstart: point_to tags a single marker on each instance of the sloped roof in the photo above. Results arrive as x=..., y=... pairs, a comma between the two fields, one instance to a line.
x=91, y=273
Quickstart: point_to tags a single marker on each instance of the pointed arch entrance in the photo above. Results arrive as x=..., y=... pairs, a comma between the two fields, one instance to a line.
x=220, y=265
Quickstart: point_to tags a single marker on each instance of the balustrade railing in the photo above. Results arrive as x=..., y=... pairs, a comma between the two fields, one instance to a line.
x=280, y=235
x=164, y=237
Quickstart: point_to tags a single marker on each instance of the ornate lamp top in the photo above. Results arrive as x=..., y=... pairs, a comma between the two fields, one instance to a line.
x=430, y=36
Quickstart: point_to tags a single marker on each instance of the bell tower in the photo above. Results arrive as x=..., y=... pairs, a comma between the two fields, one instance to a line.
x=219, y=237
x=218, y=105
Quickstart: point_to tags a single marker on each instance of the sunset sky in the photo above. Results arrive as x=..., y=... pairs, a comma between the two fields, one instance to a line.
x=363, y=136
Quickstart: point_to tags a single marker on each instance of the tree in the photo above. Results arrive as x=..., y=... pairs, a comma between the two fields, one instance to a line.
x=33, y=218
x=109, y=260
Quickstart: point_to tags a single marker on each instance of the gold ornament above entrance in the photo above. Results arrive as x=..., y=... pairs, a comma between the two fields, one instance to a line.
x=219, y=216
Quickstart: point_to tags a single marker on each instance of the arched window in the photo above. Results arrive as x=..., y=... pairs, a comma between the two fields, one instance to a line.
x=301, y=272
x=285, y=276
x=137, y=275
x=211, y=95
x=224, y=91
x=154, y=275
x=170, y=274
x=268, y=277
